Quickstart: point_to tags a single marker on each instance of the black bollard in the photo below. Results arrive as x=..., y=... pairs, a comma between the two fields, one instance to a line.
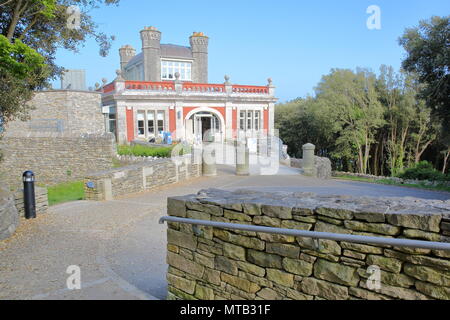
x=29, y=199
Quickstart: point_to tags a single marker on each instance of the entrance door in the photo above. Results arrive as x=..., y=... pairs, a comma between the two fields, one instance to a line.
x=204, y=127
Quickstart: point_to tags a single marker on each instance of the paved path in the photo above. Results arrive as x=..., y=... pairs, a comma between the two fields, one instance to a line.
x=119, y=245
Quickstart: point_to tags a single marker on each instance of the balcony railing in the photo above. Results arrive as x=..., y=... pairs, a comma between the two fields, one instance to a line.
x=150, y=86
x=250, y=89
x=203, y=87
x=187, y=87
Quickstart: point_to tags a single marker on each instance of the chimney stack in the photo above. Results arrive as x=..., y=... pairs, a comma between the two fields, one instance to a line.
x=199, y=45
x=151, y=49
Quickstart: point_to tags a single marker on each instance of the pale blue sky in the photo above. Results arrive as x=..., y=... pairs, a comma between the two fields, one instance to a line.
x=293, y=41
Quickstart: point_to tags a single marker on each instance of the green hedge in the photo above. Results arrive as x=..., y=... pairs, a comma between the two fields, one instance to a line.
x=146, y=151
x=424, y=171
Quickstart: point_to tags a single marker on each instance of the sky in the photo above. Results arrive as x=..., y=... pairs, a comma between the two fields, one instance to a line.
x=294, y=42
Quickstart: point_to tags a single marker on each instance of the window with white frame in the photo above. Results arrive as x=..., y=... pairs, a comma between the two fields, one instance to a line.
x=170, y=67
x=141, y=123
x=160, y=121
x=242, y=120
x=150, y=123
x=250, y=120
x=257, y=120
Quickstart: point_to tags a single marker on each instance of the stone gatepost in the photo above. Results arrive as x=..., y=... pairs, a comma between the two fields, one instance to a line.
x=242, y=159
x=308, y=159
x=209, y=161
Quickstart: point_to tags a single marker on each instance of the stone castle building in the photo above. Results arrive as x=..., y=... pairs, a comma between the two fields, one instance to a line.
x=165, y=88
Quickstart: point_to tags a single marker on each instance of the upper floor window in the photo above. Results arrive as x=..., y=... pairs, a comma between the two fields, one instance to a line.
x=169, y=68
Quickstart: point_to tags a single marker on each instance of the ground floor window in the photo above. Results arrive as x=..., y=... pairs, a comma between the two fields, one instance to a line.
x=112, y=120
x=150, y=123
x=250, y=120
x=141, y=123
x=160, y=121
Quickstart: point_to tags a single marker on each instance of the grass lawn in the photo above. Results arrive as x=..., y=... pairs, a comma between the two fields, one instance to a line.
x=393, y=183
x=65, y=192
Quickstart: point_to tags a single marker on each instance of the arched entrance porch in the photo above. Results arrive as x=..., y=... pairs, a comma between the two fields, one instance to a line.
x=204, y=124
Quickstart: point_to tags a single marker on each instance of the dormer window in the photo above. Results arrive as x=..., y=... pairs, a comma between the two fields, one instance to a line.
x=170, y=67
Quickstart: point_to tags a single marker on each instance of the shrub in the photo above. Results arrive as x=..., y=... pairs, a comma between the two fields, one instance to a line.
x=146, y=151
x=423, y=171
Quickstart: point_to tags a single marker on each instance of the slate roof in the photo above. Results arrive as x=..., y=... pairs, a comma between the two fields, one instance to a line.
x=167, y=51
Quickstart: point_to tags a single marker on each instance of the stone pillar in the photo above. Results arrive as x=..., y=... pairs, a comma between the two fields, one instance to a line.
x=228, y=85
x=308, y=159
x=271, y=87
x=209, y=161
x=178, y=83
x=107, y=190
x=119, y=82
x=242, y=159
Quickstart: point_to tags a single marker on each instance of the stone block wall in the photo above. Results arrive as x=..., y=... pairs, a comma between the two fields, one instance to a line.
x=322, y=166
x=55, y=159
x=41, y=197
x=60, y=112
x=107, y=185
x=12, y=208
x=210, y=263
x=9, y=219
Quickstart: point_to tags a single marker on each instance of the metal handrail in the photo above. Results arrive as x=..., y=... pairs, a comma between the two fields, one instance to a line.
x=315, y=234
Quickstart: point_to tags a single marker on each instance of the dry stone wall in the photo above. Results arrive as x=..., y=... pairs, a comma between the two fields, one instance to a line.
x=322, y=166
x=55, y=159
x=9, y=218
x=210, y=263
x=66, y=113
x=41, y=198
x=109, y=184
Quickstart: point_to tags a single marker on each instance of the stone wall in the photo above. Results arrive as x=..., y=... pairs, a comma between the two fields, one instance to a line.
x=65, y=113
x=55, y=159
x=322, y=166
x=9, y=219
x=41, y=197
x=211, y=263
x=107, y=185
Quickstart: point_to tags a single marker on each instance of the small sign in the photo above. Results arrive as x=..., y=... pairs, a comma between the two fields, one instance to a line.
x=90, y=185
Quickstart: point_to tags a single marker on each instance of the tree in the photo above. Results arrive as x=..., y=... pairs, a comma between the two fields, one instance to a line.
x=446, y=154
x=353, y=98
x=22, y=70
x=45, y=25
x=425, y=132
x=31, y=31
x=428, y=54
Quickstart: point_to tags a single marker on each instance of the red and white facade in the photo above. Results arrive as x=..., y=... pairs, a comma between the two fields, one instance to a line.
x=165, y=88
x=140, y=110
